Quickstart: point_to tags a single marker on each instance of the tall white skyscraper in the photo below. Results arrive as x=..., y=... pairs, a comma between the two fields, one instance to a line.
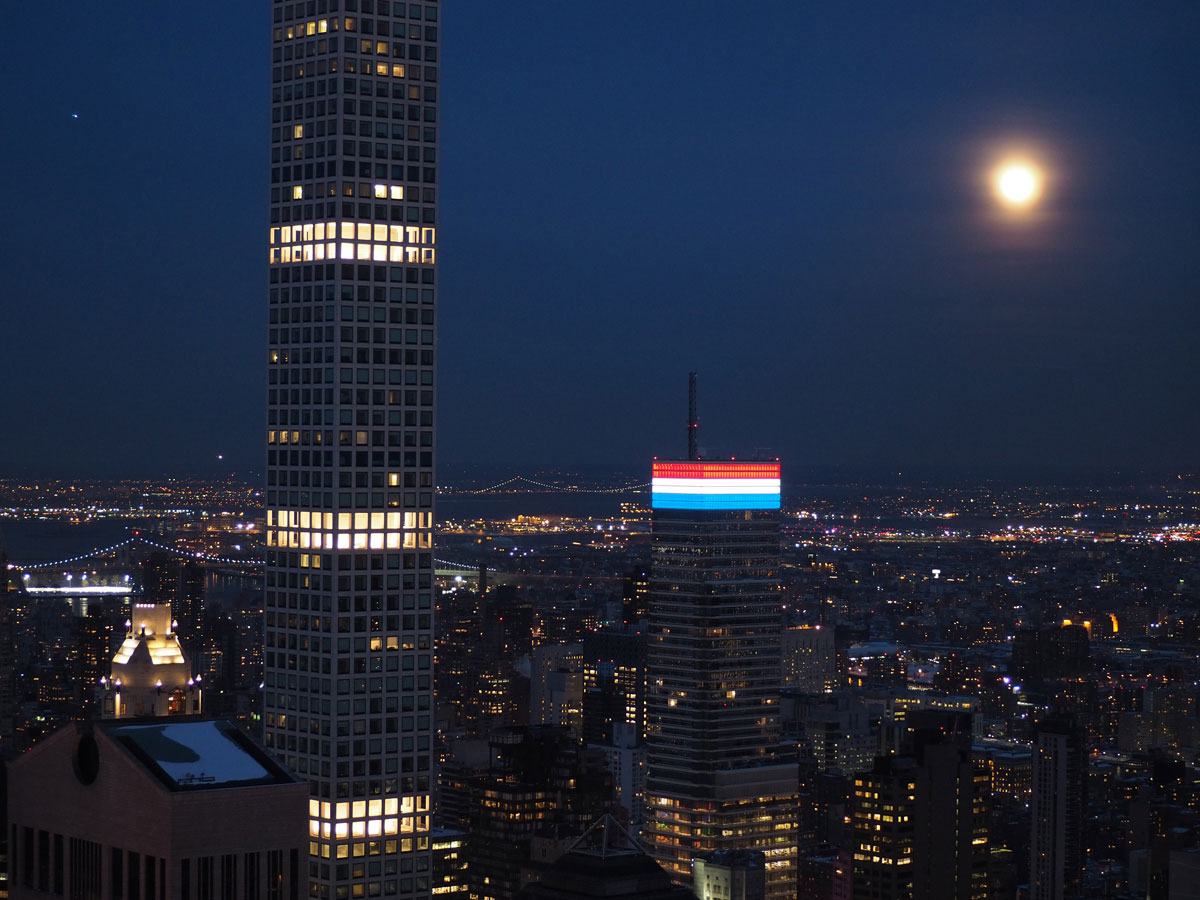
x=348, y=693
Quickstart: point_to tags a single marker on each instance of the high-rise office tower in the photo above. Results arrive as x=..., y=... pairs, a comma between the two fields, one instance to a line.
x=348, y=611
x=1057, y=853
x=715, y=778
x=920, y=820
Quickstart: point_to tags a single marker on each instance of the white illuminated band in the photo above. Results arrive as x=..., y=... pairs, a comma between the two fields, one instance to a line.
x=716, y=485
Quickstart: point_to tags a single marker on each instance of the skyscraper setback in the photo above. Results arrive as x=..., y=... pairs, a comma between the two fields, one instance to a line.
x=715, y=779
x=349, y=436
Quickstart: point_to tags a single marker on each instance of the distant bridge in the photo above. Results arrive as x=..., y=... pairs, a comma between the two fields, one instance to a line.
x=447, y=568
x=136, y=539
x=544, y=487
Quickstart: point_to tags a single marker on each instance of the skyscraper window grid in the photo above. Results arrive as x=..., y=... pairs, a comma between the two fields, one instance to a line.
x=351, y=249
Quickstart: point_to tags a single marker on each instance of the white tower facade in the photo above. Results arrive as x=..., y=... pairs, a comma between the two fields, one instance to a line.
x=151, y=675
x=349, y=442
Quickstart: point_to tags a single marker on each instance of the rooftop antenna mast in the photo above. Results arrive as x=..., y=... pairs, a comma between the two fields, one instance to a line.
x=693, y=424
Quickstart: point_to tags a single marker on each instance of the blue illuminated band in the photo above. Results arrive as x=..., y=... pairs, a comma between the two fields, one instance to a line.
x=714, y=501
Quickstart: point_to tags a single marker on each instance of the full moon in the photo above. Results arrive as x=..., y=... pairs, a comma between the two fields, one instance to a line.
x=1017, y=184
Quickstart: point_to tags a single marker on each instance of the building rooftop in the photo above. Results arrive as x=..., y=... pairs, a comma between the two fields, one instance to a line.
x=197, y=753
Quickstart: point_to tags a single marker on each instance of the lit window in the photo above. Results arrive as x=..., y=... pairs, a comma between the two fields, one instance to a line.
x=381, y=191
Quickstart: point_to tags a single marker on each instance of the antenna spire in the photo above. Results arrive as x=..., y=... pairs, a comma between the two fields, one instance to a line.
x=693, y=424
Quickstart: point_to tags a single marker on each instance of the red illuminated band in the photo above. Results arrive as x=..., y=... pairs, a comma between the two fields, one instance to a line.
x=716, y=469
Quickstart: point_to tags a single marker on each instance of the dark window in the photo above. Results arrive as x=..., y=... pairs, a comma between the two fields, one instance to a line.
x=27, y=856
x=250, y=877
x=204, y=878
x=85, y=869
x=58, y=864
x=43, y=879
x=151, y=872
x=228, y=877
x=135, y=876
x=274, y=875
x=116, y=875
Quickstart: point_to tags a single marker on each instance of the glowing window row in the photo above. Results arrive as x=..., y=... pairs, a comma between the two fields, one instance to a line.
x=363, y=848
x=346, y=521
x=360, y=809
x=308, y=29
x=380, y=192
x=361, y=828
x=285, y=437
x=354, y=231
x=296, y=247
x=358, y=540
x=361, y=252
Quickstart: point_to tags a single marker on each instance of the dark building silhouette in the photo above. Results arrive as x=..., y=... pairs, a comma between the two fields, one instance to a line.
x=189, y=610
x=1057, y=850
x=604, y=864
x=635, y=595
x=534, y=782
x=96, y=632
x=920, y=819
x=1047, y=652
x=160, y=580
x=489, y=694
x=8, y=656
x=459, y=624
x=614, y=683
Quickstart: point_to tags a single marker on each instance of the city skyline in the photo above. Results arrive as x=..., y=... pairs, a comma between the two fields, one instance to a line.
x=816, y=171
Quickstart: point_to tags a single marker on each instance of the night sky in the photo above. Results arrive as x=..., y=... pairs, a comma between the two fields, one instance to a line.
x=789, y=198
